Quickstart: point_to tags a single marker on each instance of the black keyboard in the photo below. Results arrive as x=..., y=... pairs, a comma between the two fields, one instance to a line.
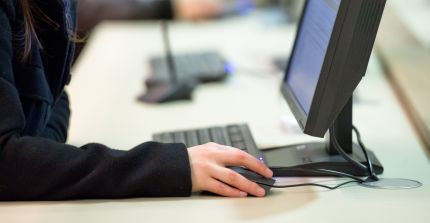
x=201, y=66
x=237, y=135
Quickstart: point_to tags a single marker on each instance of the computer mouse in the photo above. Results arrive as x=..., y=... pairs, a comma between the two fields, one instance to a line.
x=161, y=92
x=263, y=182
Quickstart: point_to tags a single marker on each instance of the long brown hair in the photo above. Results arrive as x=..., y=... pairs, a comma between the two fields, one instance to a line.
x=29, y=29
x=30, y=35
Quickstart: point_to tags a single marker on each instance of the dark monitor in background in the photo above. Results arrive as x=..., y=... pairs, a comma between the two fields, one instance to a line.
x=330, y=56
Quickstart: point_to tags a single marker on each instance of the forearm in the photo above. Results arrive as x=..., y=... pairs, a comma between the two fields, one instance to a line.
x=40, y=169
x=35, y=168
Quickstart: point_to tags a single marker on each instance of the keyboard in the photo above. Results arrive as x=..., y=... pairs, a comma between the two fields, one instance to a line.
x=236, y=135
x=201, y=66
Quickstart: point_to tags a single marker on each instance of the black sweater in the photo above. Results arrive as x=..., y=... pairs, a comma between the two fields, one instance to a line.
x=35, y=163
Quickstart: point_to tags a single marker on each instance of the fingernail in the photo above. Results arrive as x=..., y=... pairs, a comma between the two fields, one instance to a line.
x=243, y=194
x=260, y=192
x=269, y=172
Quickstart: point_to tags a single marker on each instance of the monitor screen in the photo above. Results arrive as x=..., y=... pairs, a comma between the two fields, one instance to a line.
x=310, y=49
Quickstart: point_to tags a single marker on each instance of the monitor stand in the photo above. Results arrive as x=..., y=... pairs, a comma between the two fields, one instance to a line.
x=295, y=160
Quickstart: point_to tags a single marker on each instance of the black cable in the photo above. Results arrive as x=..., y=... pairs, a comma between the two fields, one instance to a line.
x=372, y=174
x=311, y=184
x=368, y=167
x=329, y=173
x=168, y=52
x=343, y=153
x=323, y=171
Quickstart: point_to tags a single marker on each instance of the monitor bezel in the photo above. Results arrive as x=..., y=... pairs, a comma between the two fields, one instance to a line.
x=302, y=118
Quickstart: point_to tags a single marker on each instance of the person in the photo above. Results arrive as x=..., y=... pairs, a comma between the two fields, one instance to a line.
x=140, y=10
x=144, y=9
x=36, y=49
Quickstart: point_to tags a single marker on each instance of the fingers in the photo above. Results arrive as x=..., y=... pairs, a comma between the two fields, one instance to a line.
x=236, y=157
x=238, y=181
x=223, y=189
x=208, y=170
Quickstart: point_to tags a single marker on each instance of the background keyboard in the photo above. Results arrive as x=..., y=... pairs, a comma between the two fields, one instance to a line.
x=201, y=66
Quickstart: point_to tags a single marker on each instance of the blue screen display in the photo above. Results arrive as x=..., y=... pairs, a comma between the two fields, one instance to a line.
x=311, y=46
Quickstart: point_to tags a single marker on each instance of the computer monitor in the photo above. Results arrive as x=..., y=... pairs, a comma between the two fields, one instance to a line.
x=329, y=58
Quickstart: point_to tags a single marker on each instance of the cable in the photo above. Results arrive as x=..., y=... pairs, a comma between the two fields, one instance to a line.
x=343, y=153
x=323, y=171
x=329, y=173
x=372, y=174
x=168, y=52
x=312, y=184
x=368, y=167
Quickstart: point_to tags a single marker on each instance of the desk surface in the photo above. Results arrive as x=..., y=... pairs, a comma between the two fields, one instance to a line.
x=115, y=60
x=415, y=14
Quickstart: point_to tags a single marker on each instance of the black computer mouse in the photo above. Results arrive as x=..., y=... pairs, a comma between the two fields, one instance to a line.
x=265, y=183
x=161, y=92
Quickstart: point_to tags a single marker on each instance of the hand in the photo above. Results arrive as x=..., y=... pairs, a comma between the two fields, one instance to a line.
x=209, y=172
x=197, y=9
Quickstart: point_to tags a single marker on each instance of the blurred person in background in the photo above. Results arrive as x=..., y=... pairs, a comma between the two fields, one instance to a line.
x=91, y=12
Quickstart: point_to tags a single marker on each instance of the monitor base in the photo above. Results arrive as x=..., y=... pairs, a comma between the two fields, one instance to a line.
x=294, y=160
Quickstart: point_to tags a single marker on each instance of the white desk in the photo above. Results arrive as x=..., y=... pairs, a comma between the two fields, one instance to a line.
x=115, y=60
x=416, y=15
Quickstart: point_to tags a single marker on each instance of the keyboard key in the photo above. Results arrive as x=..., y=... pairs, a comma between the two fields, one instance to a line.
x=191, y=138
x=179, y=137
x=247, y=137
x=236, y=137
x=203, y=136
x=217, y=135
x=164, y=137
x=239, y=145
x=233, y=129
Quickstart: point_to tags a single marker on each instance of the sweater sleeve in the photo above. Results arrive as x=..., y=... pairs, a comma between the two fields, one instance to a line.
x=56, y=128
x=37, y=168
